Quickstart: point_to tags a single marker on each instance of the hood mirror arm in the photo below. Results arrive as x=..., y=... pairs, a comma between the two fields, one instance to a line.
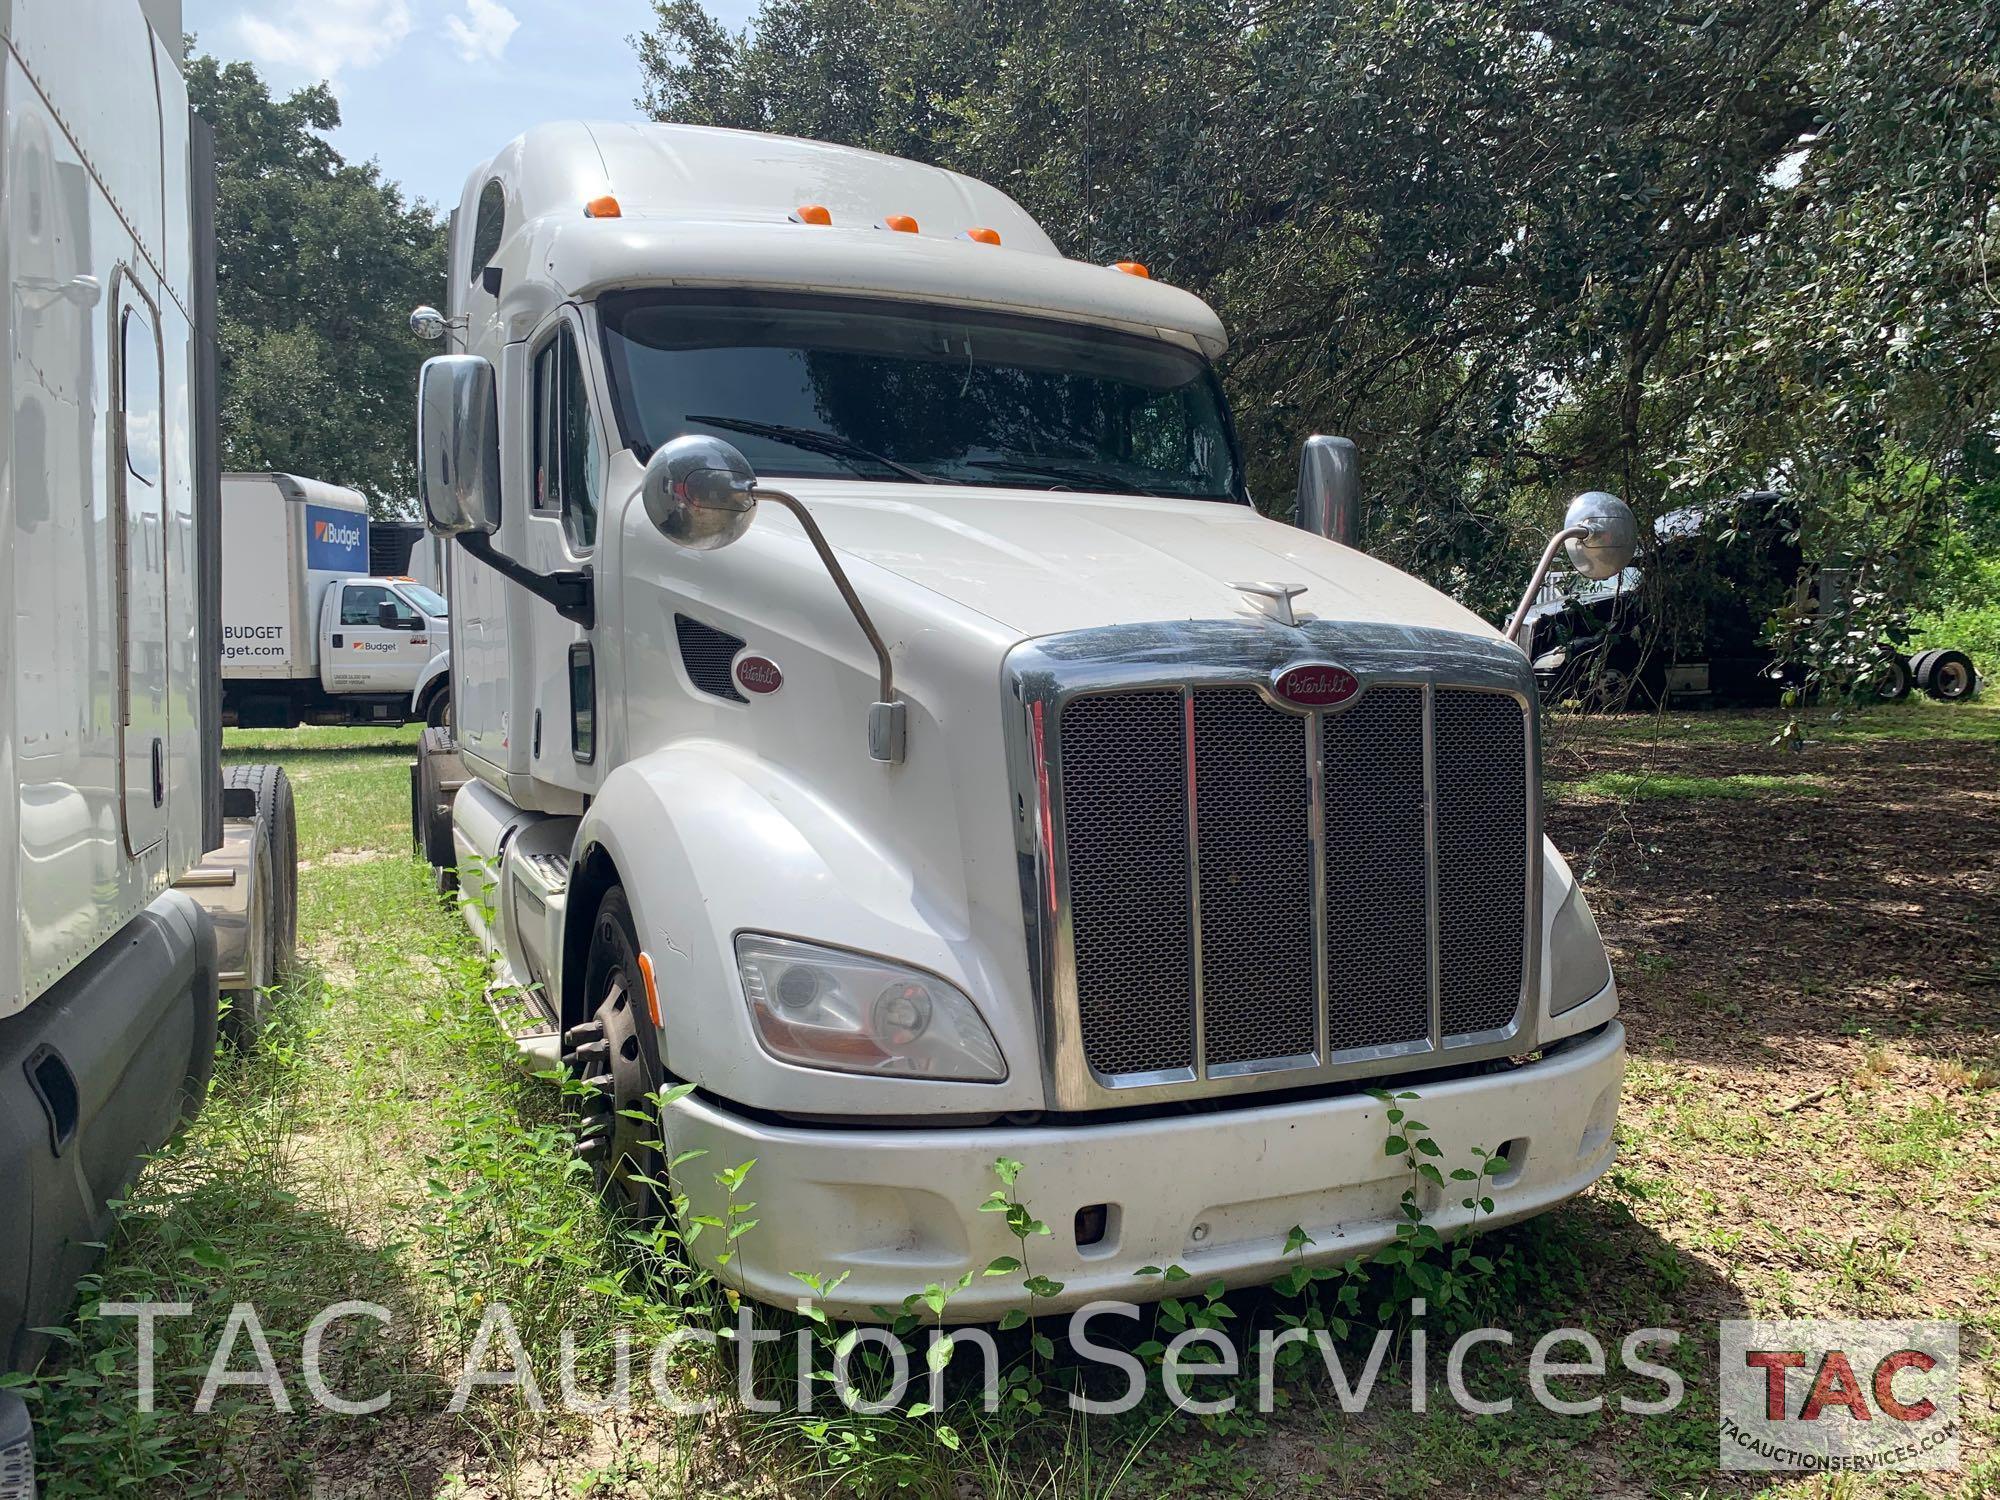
x=572, y=592
x=1520, y=615
x=887, y=719
x=1601, y=534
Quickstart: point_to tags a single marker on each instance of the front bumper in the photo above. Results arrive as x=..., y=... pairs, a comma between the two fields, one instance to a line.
x=1216, y=1193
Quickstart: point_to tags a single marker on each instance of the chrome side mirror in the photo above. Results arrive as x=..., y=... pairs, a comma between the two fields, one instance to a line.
x=458, y=445
x=1601, y=534
x=428, y=324
x=702, y=494
x=699, y=492
x=1329, y=502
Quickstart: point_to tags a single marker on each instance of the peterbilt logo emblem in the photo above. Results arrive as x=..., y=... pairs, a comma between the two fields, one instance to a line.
x=758, y=674
x=1316, y=685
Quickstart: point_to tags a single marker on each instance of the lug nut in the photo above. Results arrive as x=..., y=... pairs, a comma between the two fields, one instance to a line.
x=589, y=1031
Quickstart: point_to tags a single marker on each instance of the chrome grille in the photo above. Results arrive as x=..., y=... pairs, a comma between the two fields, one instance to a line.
x=1377, y=885
x=1128, y=879
x=1482, y=807
x=1253, y=802
x=1251, y=889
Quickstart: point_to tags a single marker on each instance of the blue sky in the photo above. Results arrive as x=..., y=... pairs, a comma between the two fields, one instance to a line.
x=430, y=87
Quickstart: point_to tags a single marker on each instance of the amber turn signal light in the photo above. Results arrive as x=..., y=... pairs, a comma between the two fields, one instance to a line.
x=605, y=207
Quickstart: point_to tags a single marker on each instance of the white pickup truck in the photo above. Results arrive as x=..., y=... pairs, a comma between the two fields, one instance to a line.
x=882, y=708
x=307, y=636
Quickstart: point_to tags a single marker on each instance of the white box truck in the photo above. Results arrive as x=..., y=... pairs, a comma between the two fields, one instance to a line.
x=883, y=709
x=138, y=879
x=308, y=635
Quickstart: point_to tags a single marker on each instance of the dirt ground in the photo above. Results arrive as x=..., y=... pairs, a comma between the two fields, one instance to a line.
x=1805, y=947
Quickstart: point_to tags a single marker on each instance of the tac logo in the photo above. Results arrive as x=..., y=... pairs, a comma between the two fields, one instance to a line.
x=1833, y=1396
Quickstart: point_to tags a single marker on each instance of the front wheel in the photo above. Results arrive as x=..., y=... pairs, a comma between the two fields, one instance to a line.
x=615, y=1053
x=437, y=710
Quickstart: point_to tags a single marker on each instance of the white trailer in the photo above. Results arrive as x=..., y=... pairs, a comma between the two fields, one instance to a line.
x=883, y=709
x=139, y=879
x=308, y=635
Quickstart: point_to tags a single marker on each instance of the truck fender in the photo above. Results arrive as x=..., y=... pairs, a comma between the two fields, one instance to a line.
x=439, y=666
x=709, y=842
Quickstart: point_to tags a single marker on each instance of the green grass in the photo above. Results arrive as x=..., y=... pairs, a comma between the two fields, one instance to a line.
x=1918, y=718
x=1670, y=786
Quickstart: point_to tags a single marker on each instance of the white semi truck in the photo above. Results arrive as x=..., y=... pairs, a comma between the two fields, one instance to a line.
x=142, y=880
x=308, y=635
x=881, y=707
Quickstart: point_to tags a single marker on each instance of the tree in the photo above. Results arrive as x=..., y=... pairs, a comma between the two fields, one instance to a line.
x=1514, y=249
x=318, y=263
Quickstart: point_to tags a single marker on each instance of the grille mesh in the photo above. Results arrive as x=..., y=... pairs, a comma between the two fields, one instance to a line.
x=1252, y=808
x=1125, y=827
x=1377, y=885
x=1482, y=817
x=707, y=654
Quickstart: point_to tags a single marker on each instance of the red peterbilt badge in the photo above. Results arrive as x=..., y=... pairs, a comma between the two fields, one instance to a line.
x=758, y=674
x=1316, y=686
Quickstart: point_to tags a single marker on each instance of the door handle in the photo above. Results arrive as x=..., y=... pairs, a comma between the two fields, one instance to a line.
x=159, y=772
x=336, y=641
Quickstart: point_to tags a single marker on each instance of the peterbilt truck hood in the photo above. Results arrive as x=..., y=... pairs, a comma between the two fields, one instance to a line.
x=1043, y=562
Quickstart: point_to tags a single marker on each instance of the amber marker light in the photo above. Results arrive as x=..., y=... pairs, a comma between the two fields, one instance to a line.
x=652, y=989
x=901, y=223
x=980, y=235
x=605, y=207
x=810, y=213
x=1132, y=268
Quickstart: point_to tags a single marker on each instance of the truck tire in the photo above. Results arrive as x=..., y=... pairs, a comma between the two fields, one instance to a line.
x=279, y=814
x=438, y=773
x=437, y=708
x=1948, y=676
x=1892, y=681
x=615, y=1054
x=1920, y=668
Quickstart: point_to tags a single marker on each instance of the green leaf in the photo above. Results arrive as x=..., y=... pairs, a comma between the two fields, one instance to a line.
x=1395, y=1145
x=940, y=1354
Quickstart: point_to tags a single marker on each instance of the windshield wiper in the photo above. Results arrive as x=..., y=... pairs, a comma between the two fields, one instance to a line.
x=1095, y=478
x=815, y=441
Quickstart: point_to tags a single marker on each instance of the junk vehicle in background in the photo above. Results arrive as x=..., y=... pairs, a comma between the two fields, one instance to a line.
x=1691, y=621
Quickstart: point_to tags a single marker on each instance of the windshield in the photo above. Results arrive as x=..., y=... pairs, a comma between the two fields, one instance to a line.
x=836, y=387
x=429, y=600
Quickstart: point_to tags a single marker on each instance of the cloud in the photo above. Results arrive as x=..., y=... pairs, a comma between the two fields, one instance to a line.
x=483, y=32
x=324, y=38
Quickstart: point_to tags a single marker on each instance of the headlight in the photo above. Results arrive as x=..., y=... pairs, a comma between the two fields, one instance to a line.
x=1578, y=968
x=826, y=1008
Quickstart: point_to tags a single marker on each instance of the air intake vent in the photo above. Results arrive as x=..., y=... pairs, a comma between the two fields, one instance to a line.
x=707, y=653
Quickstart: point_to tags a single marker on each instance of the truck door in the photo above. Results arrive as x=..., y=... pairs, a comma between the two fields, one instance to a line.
x=142, y=561
x=378, y=643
